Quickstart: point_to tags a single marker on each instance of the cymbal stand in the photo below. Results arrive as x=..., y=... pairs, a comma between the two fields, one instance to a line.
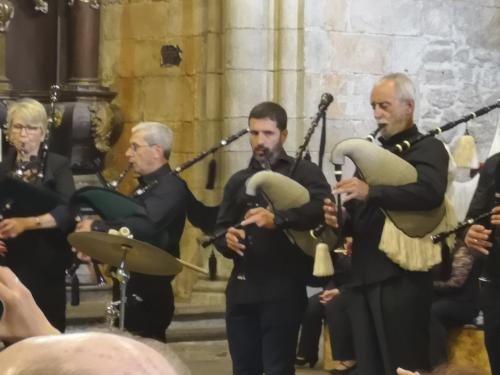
x=123, y=277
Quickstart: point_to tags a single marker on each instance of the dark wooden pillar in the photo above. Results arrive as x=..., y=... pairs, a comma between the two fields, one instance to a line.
x=85, y=18
x=6, y=14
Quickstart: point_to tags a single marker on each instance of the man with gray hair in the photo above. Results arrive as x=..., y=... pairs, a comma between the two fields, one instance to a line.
x=389, y=303
x=164, y=196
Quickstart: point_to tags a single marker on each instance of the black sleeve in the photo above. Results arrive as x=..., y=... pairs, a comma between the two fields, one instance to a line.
x=431, y=163
x=482, y=199
x=230, y=212
x=161, y=207
x=63, y=184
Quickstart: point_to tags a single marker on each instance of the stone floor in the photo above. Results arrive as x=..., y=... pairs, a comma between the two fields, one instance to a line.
x=212, y=358
x=197, y=334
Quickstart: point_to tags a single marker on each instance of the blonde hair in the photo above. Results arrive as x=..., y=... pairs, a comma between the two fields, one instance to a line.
x=29, y=110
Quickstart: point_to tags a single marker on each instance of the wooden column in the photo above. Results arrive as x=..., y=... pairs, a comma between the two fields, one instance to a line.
x=85, y=18
x=6, y=14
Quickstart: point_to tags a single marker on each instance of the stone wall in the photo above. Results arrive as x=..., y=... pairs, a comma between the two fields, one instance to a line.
x=237, y=53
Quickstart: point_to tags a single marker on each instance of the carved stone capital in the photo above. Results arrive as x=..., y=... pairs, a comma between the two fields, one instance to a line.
x=94, y=4
x=103, y=117
x=6, y=14
x=41, y=6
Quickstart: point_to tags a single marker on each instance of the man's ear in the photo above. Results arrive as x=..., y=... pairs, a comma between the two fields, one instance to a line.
x=284, y=135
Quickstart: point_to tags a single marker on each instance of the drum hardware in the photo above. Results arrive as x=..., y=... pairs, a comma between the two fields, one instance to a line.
x=128, y=255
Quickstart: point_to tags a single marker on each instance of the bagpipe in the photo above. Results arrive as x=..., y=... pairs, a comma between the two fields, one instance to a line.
x=281, y=192
x=111, y=204
x=409, y=238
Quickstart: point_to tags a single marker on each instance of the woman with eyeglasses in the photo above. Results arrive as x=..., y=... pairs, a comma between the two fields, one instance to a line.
x=33, y=242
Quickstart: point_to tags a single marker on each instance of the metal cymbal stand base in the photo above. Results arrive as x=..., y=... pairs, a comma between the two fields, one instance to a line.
x=123, y=277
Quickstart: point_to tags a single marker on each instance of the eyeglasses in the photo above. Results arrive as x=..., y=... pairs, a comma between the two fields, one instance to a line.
x=18, y=128
x=134, y=146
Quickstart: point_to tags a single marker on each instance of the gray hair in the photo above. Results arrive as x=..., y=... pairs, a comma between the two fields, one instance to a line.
x=405, y=89
x=156, y=133
x=29, y=110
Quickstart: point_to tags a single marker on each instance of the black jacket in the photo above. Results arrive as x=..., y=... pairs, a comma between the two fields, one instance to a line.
x=274, y=268
x=484, y=201
x=430, y=159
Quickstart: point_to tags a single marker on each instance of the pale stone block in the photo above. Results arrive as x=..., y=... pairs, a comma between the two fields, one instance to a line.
x=438, y=55
x=291, y=49
x=439, y=77
x=290, y=14
x=472, y=21
x=126, y=57
x=326, y=14
x=108, y=60
x=437, y=18
x=134, y=15
x=405, y=55
x=232, y=162
x=128, y=98
x=359, y=53
x=198, y=22
x=247, y=14
x=318, y=51
x=394, y=17
x=462, y=55
x=247, y=49
x=233, y=126
x=215, y=11
x=441, y=98
x=214, y=53
x=111, y=22
x=168, y=97
x=490, y=78
x=291, y=92
x=194, y=54
x=208, y=97
x=147, y=60
x=243, y=89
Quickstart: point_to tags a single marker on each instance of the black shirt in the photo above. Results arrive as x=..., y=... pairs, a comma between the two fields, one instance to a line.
x=162, y=221
x=273, y=267
x=484, y=201
x=430, y=159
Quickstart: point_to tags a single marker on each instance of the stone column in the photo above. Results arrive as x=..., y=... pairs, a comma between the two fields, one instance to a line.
x=85, y=18
x=6, y=14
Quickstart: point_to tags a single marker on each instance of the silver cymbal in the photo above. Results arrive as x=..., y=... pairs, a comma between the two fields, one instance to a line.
x=140, y=257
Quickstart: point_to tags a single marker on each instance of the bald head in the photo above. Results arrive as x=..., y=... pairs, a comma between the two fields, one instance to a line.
x=83, y=354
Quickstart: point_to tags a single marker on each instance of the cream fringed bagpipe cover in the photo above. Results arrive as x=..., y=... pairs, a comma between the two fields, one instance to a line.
x=406, y=234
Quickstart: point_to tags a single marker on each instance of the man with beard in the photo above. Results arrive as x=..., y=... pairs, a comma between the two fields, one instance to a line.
x=389, y=306
x=266, y=296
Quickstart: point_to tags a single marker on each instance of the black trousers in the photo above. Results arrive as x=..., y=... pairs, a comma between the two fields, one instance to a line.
x=447, y=313
x=390, y=324
x=339, y=326
x=490, y=304
x=310, y=331
x=335, y=315
x=263, y=336
x=150, y=305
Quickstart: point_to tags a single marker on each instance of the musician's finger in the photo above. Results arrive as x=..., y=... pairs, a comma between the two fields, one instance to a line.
x=254, y=211
x=83, y=257
x=331, y=220
x=496, y=210
x=240, y=233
